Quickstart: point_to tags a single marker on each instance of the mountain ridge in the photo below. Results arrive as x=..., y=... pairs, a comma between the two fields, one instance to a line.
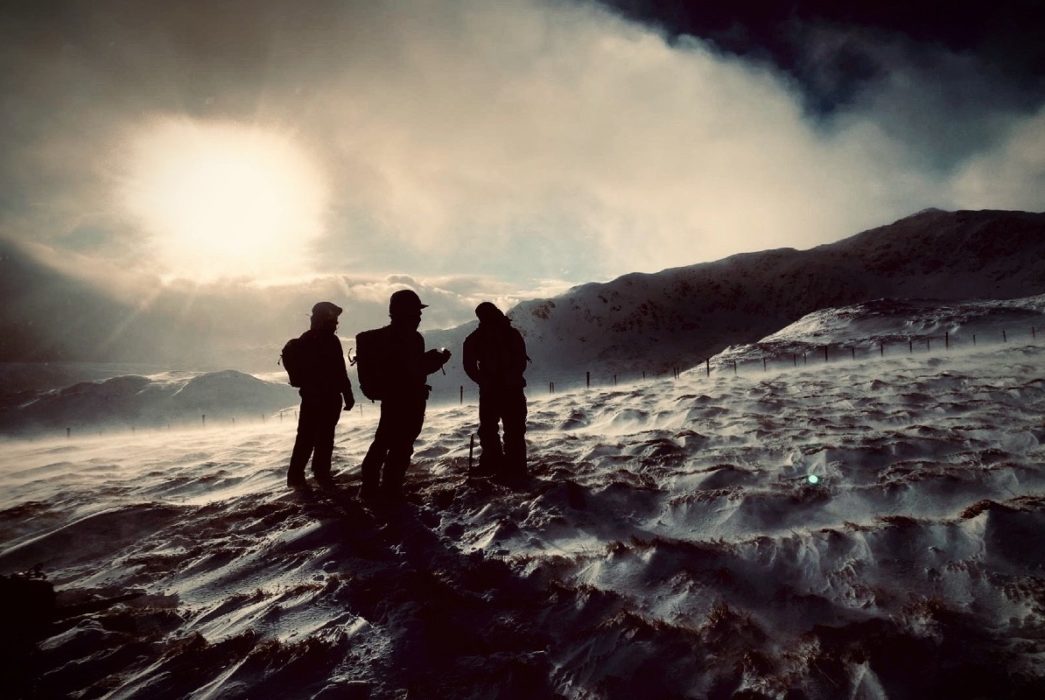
x=680, y=316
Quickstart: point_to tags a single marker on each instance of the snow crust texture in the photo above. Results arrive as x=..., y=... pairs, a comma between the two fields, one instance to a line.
x=670, y=544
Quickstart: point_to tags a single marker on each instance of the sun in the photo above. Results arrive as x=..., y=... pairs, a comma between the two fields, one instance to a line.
x=223, y=199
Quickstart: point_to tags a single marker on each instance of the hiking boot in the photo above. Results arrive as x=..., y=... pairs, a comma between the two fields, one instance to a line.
x=369, y=494
x=513, y=478
x=325, y=479
x=296, y=481
x=483, y=471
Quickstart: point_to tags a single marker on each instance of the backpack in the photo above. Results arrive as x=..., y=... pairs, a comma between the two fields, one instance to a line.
x=372, y=357
x=294, y=361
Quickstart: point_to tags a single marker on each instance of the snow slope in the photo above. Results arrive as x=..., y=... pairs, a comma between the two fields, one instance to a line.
x=680, y=317
x=671, y=544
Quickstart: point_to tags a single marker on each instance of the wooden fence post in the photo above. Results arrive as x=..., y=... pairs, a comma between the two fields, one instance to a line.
x=910, y=345
x=204, y=419
x=587, y=379
x=947, y=341
x=707, y=366
x=881, y=349
x=825, y=354
x=1004, y=337
x=763, y=363
x=68, y=432
x=734, y=368
x=462, y=394
x=852, y=351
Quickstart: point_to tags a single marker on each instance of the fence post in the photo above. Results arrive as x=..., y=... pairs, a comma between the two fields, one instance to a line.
x=615, y=380
x=68, y=432
x=734, y=368
x=825, y=354
x=587, y=379
x=707, y=366
x=643, y=374
x=852, y=351
x=881, y=349
x=910, y=345
x=805, y=358
x=763, y=363
x=204, y=419
x=1004, y=337
x=551, y=387
x=947, y=340
x=794, y=359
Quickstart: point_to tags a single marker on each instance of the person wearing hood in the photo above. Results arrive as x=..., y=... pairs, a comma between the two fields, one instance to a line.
x=495, y=359
x=324, y=389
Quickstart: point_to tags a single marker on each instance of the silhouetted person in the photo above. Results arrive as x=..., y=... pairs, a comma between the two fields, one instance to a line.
x=324, y=389
x=397, y=368
x=495, y=359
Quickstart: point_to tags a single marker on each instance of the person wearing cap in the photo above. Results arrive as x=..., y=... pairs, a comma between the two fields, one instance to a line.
x=325, y=391
x=495, y=359
x=403, y=398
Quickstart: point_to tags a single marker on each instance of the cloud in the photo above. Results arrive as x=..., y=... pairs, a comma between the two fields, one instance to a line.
x=509, y=143
x=1010, y=176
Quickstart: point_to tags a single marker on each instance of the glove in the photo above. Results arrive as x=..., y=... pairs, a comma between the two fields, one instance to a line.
x=350, y=401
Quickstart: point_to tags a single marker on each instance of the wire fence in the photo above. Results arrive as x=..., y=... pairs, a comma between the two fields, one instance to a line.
x=755, y=358
x=766, y=358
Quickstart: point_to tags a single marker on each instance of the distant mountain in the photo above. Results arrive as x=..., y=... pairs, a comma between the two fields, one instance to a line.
x=134, y=401
x=49, y=316
x=679, y=317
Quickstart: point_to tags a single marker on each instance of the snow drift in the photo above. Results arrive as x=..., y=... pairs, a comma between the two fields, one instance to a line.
x=671, y=544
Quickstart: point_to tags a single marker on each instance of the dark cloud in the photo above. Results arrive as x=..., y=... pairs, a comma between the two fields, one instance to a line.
x=1005, y=37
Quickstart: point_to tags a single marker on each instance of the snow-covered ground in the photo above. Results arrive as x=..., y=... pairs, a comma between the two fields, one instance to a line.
x=670, y=544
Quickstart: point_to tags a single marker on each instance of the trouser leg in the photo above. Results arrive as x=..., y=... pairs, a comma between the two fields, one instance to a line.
x=326, y=426
x=514, y=415
x=406, y=420
x=492, y=454
x=304, y=442
x=377, y=453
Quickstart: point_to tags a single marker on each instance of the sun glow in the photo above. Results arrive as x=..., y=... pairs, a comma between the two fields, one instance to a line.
x=224, y=199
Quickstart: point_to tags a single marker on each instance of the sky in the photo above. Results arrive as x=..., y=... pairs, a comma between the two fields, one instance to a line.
x=498, y=150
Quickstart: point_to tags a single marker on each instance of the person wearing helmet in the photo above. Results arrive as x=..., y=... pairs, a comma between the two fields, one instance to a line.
x=324, y=388
x=495, y=359
x=405, y=367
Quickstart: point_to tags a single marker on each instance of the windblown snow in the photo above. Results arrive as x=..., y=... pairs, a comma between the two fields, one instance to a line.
x=672, y=542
